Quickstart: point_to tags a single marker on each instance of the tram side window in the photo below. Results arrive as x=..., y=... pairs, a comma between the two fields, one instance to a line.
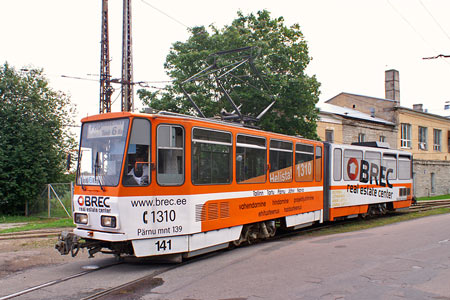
x=404, y=167
x=170, y=155
x=212, y=153
x=374, y=160
x=318, y=163
x=352, y=163
x=390, y=162
x=280, y=159
x=250, y=159
x=304, y=162
x=337, y=164
x=137, y=170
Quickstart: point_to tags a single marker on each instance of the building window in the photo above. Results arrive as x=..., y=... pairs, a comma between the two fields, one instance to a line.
x=382, y=138
x=329, y=135
x=437, y=134
x=405, y=136
x=361, y=138
x=423, y=137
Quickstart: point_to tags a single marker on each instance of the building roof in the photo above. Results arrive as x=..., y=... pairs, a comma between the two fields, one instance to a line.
x=350, y=113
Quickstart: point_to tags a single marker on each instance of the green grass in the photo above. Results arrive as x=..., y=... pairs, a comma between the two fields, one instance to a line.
x=18, y=219
x=33, y=223
x=434, y=197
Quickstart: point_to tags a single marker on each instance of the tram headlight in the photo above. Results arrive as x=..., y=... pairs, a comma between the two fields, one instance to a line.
x=109, y=221
x=81, y=218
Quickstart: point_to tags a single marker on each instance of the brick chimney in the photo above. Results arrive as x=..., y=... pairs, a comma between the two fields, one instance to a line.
x=418, y=107
x=392, y=85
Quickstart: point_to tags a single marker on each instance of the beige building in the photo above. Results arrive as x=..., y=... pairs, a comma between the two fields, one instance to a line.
x=425, y=135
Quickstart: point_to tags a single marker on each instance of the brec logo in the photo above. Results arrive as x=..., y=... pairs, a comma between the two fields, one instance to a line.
x=368, y=172
x=93, y=201
x=352, y=168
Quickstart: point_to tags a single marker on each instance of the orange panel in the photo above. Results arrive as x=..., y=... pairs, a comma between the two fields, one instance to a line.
x=401, y=204
x=347, y=211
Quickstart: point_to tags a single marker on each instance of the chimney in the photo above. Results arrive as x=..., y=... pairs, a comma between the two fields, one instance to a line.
x=418, y=107
x=392, y=85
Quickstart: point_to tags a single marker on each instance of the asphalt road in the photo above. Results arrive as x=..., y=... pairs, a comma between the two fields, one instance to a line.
x=408, y=260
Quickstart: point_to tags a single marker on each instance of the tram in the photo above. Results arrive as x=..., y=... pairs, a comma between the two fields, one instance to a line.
x=170, y=184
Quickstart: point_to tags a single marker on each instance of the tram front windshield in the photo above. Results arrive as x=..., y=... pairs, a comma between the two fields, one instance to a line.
x=101, y=152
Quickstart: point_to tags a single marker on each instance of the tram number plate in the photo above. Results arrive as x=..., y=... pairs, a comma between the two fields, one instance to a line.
x=163, y=245
x=159, y=246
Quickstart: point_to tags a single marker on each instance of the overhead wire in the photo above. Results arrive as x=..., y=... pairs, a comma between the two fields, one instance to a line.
x=434, y=19
x=166, y=14
x=410, y=25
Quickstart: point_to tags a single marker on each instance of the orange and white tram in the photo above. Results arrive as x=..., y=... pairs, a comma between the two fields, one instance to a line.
x=154, y=184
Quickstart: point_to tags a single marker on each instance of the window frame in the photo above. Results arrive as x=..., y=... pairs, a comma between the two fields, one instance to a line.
x=329, y=132
x=346, y=158
x=303, y=152
x=401, y=158
x=405, y=135
x=282, y=150
x=126, y=154
x=423, y=138
x=361, y=137
x=437, y=139
x=171, y=148
x=212, y=143
x=318, y=158
x=252, y=146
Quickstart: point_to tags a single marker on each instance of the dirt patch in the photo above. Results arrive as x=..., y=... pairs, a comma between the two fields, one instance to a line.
x=11, y=225
x=22, y=254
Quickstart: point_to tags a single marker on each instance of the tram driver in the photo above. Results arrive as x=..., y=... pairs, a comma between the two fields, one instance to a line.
x=139, y=174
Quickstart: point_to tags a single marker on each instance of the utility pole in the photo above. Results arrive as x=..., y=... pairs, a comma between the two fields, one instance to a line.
x=127, y=59
x=105, y=78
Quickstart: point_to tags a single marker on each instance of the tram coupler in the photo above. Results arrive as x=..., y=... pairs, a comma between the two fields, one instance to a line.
x=67, y=243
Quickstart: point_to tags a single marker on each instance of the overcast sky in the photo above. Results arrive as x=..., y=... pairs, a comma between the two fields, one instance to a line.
x=352, y=42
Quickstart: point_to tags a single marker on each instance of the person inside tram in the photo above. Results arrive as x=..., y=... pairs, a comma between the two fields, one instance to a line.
x=139, y=174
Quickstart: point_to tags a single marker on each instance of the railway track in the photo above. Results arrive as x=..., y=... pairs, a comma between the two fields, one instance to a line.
x=150, y=280
x=429, y=204
x=31, y=234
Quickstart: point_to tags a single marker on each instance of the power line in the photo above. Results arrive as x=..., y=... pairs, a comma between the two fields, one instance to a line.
x=435, y=21
x=410, y=25
x=166, y=14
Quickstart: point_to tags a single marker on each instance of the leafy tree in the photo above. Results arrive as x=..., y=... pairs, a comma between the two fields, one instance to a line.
x=282, y=59
x=34, y=137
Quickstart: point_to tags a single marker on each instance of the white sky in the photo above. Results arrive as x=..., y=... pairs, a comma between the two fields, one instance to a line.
x=352, y=42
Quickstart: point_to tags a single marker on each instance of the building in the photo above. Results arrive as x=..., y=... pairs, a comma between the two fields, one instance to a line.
x=425, y=135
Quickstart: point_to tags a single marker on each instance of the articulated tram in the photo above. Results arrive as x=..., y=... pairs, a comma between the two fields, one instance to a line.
x=157, y=184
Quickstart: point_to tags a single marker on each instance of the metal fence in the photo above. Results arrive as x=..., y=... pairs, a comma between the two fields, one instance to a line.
x=55, y=200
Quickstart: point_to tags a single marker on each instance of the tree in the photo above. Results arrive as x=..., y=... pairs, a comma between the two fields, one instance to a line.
x=34, y=136
x=283, y=57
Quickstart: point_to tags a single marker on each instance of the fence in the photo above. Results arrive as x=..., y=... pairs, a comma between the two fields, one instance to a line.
x=54, y=201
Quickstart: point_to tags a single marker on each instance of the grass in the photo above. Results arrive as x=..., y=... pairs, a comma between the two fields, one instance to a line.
x=434, y=197
x=33, y=223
